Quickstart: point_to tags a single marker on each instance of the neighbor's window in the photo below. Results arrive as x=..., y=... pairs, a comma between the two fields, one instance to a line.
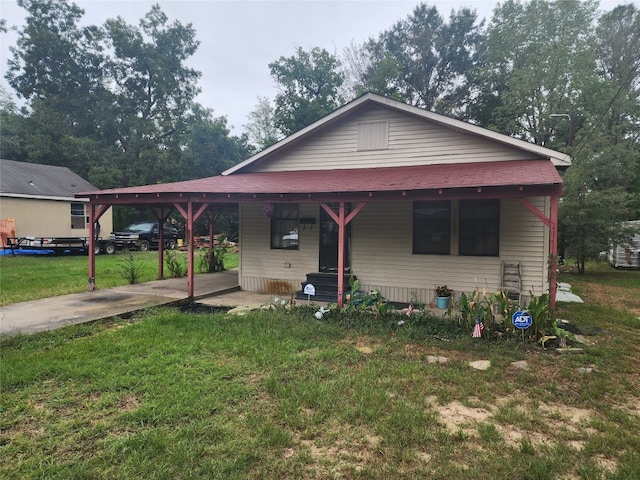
x=479, y=227
x=432, y=227
x=284, y=227
x=78, y=216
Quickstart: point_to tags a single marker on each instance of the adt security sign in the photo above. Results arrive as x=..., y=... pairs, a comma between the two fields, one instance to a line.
x=521, y=320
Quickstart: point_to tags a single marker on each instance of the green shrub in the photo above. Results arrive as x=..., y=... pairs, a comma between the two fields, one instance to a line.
x=177, y=268
x=128, y=269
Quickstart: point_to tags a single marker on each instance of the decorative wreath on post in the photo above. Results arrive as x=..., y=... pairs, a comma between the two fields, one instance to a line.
x=269, y=210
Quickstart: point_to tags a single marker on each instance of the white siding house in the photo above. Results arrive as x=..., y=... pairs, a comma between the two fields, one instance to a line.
x=402, y=198
x=381, y=250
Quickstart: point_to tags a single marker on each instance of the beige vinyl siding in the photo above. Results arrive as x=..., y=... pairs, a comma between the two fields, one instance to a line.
x=382, y=254
x=48, y=218
x=277, y=271
x=412, y=141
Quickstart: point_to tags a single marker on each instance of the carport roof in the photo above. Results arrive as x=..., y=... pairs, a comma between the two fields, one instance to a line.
x=517, y=173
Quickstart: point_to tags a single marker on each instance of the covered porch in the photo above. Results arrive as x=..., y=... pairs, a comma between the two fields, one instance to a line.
x=524, y=182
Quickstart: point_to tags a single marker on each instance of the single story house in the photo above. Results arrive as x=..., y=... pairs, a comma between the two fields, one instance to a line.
x=41, y=200
x=402, y=198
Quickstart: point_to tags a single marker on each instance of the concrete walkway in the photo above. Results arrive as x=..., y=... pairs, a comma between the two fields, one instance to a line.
x=56, y=312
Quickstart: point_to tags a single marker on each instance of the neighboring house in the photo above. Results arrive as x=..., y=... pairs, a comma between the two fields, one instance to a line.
x=41, y=200
x=400, y=197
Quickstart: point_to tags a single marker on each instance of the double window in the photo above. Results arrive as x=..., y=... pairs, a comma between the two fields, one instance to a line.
x=284, y=227
x=477, y=223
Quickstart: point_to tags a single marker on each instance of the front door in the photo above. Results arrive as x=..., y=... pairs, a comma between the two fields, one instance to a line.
x=329, y=241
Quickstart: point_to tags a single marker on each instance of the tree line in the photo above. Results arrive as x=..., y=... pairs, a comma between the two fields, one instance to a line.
x=116, y=103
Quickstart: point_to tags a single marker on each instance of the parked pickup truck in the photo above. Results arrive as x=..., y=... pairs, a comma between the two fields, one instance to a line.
x=144, y=235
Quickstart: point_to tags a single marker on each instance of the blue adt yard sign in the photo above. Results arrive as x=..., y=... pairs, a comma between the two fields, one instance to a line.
x=521, y=320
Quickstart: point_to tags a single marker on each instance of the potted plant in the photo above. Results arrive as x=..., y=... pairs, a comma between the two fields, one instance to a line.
x=443, y=294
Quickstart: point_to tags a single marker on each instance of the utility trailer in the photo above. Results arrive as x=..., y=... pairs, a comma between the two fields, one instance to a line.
x=58, y=245
x=627, y=255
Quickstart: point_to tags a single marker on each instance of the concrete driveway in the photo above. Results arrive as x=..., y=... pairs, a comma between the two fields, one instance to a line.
x=56, y=312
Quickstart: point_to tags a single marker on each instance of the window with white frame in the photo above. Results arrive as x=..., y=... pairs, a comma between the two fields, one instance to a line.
x=78, y=216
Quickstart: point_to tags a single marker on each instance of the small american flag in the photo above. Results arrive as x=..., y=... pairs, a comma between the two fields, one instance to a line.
x=410, y=309
x=477, y=330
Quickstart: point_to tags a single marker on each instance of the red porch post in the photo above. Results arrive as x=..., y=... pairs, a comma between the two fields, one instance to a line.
x=190, y=269
x=92, y=242
x=211, y=241
x=94, y=216
x=342, y=222
x=190, y=217
x=552, y=223
x=553, y=251
x=341, y=226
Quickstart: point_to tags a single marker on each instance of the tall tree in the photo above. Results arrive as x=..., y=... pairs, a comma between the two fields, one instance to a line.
x=535, y=61
x=602, y=188
x=58, y=68
x=309, y=88
x=210, y=148
x=261, y=127
x=54, y=58
x=154, y=92
x=617, y=128
x=423, y=59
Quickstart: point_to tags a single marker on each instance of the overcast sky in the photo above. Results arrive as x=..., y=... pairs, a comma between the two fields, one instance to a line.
x=238, y=39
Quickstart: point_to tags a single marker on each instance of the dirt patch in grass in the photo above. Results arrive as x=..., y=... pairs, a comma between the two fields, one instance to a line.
x=366, y=345
x=128, y=403
x=458, y=417
x=455, y=416
x=338, y=451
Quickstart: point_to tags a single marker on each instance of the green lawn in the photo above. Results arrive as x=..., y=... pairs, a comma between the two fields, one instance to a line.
x=25, y=278
x=279, y=394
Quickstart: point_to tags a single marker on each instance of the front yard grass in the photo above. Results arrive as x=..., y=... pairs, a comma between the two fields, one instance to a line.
x=275, y=394
x=29, y=277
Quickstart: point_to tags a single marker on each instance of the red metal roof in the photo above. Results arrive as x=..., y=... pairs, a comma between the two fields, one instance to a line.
x=423, y=177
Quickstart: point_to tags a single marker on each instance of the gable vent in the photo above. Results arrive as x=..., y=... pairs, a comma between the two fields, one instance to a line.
x=373, y=136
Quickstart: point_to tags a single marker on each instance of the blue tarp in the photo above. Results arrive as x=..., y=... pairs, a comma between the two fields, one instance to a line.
x=7, y=252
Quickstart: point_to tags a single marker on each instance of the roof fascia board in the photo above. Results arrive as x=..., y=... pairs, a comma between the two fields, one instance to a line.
x=45, y=197
x=507, y=191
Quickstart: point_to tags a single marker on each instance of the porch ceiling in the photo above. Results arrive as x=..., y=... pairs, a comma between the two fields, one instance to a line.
x=461, y=180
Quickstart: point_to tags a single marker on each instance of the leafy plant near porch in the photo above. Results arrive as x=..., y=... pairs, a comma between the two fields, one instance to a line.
x=176, y=267
x=129, y=269
x=496, y=309
x=372, y=301
x=475, y=306
x=212, y=263
x=540, y=311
